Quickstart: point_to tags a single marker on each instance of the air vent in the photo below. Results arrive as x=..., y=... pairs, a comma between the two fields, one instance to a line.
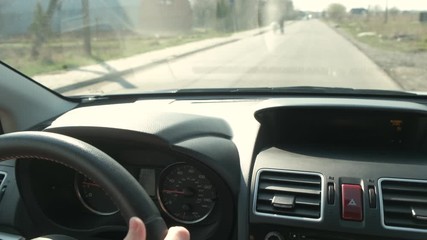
x=404, y=204
x=289, y=194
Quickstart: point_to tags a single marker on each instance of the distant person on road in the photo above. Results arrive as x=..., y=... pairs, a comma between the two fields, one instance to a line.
x=282, y=24
x=274, y=12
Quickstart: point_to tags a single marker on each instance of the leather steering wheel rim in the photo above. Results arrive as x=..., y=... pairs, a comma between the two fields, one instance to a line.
x=124, y=190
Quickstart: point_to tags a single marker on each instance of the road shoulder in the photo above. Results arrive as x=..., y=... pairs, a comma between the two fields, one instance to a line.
x=408, y=69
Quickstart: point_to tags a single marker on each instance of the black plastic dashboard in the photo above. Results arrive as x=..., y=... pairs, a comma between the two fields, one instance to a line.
x=278, y=167
x=339, y=172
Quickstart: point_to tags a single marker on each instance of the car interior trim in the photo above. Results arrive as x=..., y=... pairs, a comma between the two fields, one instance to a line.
x=381, y=203
x=254, y=206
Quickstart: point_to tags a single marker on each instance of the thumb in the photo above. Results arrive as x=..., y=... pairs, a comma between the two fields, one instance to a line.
x=178, y=233
x=136, y=230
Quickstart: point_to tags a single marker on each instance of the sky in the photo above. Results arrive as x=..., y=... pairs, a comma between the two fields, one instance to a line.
x=319, y=5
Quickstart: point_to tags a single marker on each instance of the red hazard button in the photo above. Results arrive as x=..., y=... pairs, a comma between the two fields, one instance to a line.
x=351, y=201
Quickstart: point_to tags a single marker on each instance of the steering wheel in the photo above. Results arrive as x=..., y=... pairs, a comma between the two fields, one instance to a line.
x=124, y=190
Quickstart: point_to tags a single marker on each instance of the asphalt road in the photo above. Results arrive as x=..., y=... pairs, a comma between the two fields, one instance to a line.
x=310, y=53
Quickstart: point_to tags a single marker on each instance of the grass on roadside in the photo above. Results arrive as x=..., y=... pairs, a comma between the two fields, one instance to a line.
x=67, y=52
x=402, y=32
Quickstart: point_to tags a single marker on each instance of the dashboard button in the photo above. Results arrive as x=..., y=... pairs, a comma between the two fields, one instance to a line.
x=331, y=193
x=372, y=197
x=351, y=201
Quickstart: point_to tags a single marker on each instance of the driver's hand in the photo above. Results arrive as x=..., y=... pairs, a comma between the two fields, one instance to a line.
x=137, y=231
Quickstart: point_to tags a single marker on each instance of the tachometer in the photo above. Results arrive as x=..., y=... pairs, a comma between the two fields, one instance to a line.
x=93, y=197
x=185, y=193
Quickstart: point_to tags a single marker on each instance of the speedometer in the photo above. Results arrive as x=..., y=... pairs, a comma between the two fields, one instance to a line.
x=185, y=193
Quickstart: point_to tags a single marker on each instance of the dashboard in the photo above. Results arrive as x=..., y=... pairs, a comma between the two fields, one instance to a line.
x=187, y=193
x=241, y=168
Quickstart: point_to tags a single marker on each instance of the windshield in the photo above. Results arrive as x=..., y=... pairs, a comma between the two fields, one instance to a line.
x=98, y=47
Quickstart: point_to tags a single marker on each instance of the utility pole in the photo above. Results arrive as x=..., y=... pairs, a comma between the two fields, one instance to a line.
x=386, y=12
x=86, y=28
x=233, y=12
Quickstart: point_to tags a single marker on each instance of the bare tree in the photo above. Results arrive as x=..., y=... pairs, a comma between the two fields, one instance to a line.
x=203, y=12
x=41, y=27
x=337, y=11
x=2, y=2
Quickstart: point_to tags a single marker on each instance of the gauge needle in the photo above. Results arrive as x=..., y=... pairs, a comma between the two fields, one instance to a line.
x=91, y=184
x=174, y=191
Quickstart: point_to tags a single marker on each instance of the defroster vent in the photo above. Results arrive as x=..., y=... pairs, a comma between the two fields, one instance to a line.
x=289, y=194
x=404, y=203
